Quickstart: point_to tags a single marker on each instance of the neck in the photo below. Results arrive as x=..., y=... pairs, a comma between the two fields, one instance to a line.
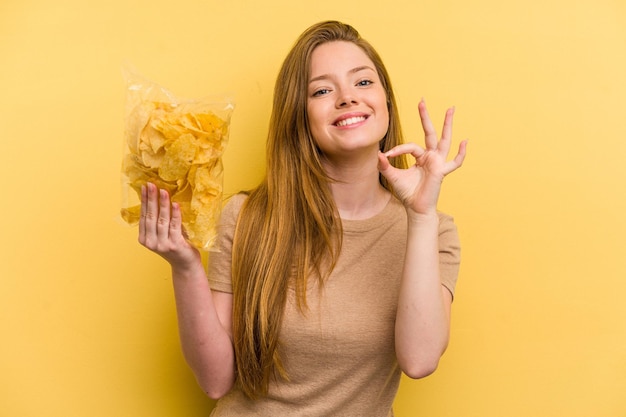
x=356, y=190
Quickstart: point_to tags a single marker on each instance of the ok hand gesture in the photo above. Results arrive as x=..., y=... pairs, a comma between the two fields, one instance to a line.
x=418, y=186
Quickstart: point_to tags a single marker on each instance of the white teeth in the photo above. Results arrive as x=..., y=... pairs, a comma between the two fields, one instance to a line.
x=350, y=121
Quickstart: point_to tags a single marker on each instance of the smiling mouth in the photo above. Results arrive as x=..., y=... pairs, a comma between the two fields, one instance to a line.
x=350, y=121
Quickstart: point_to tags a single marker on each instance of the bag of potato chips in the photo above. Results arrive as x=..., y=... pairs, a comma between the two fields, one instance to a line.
x=177, y=144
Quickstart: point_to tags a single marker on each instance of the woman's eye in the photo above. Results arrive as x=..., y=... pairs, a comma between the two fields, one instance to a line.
x=321, y=92
x=364, y=83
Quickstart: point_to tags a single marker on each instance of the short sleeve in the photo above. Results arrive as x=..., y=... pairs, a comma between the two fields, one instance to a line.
x=449, y=252
x=219, y=261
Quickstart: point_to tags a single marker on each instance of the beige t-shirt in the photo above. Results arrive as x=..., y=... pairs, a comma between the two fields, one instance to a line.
x=340, y=355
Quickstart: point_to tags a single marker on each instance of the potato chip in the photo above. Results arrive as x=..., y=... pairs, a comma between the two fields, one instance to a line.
x=131, y=214
x=179, y=154
x=177, y=146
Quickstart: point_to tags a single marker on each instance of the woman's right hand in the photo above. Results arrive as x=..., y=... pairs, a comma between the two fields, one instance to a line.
x=204, y=317
x=161, y=229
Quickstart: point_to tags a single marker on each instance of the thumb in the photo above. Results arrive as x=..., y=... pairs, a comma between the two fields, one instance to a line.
x=383, y=163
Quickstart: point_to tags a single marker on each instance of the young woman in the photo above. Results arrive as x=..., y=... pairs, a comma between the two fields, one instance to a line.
x=336, y=273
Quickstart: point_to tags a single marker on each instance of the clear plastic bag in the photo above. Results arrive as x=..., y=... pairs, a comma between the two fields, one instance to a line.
x=177, y=144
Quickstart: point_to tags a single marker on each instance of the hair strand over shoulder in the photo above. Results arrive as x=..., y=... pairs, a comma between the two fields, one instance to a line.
x=289, y=229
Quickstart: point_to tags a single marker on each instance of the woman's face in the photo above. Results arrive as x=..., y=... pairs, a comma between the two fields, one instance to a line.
x=346, y=105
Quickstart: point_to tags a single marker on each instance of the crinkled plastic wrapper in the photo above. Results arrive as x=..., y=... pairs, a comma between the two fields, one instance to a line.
x=176, y=145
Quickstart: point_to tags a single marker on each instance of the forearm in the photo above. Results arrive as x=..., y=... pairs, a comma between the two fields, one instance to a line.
x=205, y=338
x=423, y=316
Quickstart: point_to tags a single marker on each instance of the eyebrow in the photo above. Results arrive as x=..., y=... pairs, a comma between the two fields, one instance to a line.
x=352, y=71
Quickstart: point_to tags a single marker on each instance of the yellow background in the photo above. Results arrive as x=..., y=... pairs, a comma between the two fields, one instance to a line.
x=539, y=329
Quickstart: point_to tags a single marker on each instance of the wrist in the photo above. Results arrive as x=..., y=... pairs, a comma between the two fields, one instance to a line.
x=188, y=267
x=430, y=217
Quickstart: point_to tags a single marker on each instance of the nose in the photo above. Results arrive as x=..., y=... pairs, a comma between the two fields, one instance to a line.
x=345, y=98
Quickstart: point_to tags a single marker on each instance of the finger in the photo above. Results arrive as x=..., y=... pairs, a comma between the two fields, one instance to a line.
x=458, y=159
x=176, y=222
x=385, y=167
x=383, y=162
x=151, y=213
x=142, y=215
x=446, y=134
x=430, y=135
x=406, y=148
x=163, y=221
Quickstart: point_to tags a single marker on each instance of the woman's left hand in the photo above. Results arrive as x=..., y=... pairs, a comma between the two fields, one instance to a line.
x=418, y=186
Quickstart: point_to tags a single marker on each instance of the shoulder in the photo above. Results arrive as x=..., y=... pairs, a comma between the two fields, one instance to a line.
x=232, y=207
x=449, y=236
x=446, y=222
x=228, y=218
